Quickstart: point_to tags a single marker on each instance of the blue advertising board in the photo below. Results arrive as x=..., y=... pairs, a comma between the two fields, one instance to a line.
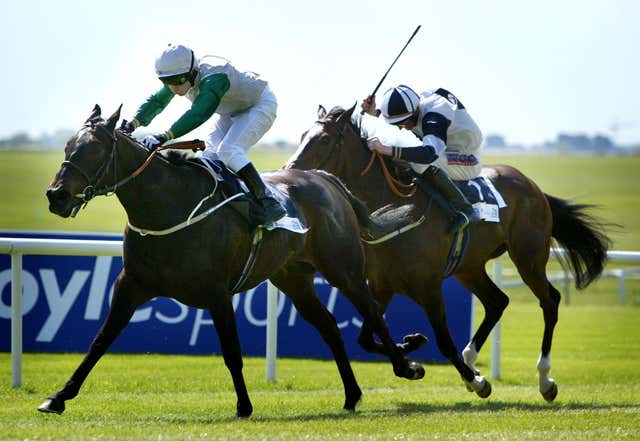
x=66, y=299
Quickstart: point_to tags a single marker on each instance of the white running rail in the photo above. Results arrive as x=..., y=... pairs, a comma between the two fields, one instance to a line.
x=74, y=247
x=71, y=247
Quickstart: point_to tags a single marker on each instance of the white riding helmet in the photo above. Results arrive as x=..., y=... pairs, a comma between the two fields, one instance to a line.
x=174, y=61
x=399, y=103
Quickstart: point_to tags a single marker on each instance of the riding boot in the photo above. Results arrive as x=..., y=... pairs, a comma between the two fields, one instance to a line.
x=457, y=206
x=270, y=209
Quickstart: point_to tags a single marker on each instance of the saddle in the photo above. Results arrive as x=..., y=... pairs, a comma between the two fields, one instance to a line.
x=230, y=184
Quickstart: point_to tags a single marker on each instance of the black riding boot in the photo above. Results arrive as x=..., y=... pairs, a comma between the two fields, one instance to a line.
x=272, y=210
x=458, y=208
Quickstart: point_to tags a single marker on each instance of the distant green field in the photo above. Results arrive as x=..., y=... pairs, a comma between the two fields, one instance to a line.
x=611, y=182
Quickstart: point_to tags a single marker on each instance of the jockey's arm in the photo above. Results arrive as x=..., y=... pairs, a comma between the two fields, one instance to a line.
x=152, y=107
x=434, y=141
x=212, y=88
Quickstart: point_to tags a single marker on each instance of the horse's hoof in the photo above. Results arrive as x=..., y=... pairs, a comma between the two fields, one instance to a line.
x=551, y=393
x=416, y=371
x=244, y=411
x=485, y=391
x=413, y=342
x=52, y=405
x=350, y=404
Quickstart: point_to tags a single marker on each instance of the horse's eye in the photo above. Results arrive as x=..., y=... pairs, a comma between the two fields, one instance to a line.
x=325, y=139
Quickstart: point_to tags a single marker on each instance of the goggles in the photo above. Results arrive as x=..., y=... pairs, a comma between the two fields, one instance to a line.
x=176, y=80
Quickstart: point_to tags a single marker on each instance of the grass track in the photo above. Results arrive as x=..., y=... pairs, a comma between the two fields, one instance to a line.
x=596, y=360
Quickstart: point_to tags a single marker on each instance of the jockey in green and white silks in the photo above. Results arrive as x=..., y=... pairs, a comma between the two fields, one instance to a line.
x=240, y=104
x=450, y=144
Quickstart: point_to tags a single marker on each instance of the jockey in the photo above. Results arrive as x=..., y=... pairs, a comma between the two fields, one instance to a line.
x=244, y=108
x=450, y=142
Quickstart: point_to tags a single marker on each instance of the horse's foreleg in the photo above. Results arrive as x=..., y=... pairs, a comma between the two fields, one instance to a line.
x=434, y=307
x=122, y=308
x=359, y=295
x=494, y=302
x=368, y=342
x=225, y=322
x=299, y=288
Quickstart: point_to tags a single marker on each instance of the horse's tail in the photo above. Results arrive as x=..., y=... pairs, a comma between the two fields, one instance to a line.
x=582, y=236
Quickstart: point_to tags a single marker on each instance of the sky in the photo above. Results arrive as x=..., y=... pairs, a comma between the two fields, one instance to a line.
x=525, y=70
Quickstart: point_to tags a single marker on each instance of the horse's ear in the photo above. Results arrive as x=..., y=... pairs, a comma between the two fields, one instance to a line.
x=95, y=113
x=346, y=115
x=322, y=112
x=113, y=119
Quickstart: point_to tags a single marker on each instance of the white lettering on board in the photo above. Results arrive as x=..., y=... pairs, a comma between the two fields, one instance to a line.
x=59, y=304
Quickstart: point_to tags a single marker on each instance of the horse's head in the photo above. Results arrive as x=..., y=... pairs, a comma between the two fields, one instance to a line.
x=86, y=162
x=323, y=145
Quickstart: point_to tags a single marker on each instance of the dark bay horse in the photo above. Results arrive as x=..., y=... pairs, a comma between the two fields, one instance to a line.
x=199, y=264
x=413, y=264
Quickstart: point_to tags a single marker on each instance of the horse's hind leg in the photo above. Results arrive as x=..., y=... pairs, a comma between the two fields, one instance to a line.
x=299, y=288
x=530, y=257
x=494, y=302
x=127, y=296
x=224, y=320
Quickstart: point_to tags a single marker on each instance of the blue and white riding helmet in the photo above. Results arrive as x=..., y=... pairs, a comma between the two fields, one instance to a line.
x=399, y=103
x=176, y=65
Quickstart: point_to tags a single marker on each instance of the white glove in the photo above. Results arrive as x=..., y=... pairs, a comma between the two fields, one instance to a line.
x=151, y=142
x=375, y=145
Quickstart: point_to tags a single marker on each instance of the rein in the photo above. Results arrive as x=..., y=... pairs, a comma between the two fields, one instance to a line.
x=90, y=191
x=392, y=182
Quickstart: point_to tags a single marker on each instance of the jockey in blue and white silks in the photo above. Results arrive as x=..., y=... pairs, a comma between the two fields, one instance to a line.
x=240, y=104
x=450, y=145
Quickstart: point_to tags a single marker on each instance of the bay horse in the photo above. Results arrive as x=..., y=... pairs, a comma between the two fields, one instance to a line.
x=199, y=264
x=413, y=264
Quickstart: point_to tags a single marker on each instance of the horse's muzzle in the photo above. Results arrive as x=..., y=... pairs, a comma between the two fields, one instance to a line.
x=61, y=202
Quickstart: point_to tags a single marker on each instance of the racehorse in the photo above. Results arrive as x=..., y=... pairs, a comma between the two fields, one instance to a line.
x=198, y=265
x=414, y=263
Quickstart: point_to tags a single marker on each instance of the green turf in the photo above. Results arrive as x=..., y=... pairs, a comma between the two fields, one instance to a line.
x=596, y=354
x=596, y=359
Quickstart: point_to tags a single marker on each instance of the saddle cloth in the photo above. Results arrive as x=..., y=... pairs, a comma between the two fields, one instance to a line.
x=231, y=184
x=484, y=197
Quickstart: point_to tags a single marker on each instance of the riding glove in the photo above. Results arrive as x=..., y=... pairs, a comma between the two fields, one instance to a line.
x=128, y=126
x=152, y=142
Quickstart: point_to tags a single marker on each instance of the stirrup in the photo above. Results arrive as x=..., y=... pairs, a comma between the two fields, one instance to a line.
x=276, y=215
x=459, y=222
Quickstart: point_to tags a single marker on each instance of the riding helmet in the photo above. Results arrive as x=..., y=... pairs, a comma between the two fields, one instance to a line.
x=176, y=65
x=399, y=103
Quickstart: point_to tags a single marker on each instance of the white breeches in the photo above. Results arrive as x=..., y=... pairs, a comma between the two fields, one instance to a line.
x=233, y=136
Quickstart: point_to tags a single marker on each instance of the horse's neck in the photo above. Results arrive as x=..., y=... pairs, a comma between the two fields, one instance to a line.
x=370, y=187
x=156, y=196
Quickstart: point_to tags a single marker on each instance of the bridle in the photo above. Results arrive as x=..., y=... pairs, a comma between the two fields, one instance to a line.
x=336, y=145
x=392, y=182
x=92, y=190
